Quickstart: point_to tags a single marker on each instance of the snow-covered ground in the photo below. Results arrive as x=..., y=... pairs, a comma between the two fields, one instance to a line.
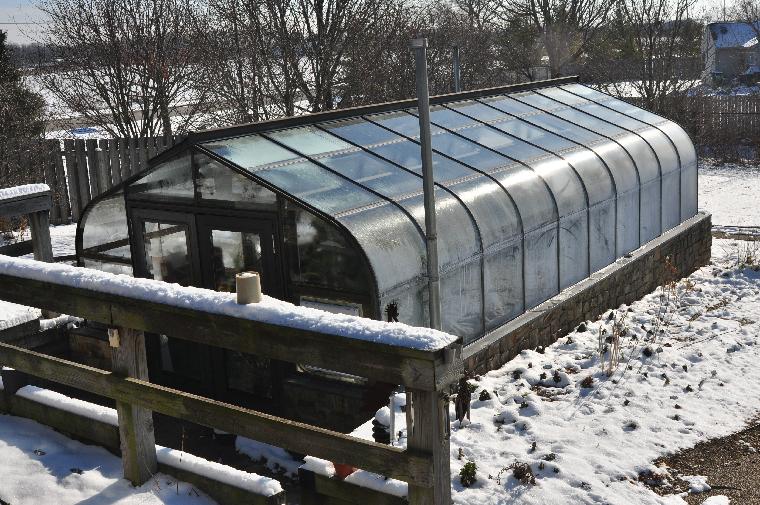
x=731, y=193
x=687, y=371
x=40, y=466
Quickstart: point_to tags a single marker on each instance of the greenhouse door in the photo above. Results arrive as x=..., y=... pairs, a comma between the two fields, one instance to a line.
x=167, y=250
x=229, y=246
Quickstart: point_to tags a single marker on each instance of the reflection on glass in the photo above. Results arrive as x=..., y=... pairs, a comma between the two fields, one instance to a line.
x=220, y=183
x=166, y=252
x=234, y=252
x=309, y=140
x=250, y=152
x=171, y=179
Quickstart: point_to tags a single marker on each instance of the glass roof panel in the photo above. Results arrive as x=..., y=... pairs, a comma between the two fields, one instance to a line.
x=531, y=133
x=360, y=132
x=478, y=110
x=448, y=118
x=510, y=105
x=317, y=187
x=400, y=122
x=538, y=101
x=250, y=152
x=505, y=144
x=374, y=173
x=309, y=141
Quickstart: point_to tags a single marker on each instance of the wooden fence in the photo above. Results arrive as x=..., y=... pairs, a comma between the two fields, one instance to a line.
x=714, y=120
x=79, y=170
x=426, y=375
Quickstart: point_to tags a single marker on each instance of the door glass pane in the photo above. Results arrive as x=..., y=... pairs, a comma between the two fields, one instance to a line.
x=166, y=253
x=233, y=252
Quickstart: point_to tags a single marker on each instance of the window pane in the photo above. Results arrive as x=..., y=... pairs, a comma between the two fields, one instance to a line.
x=173, y=179
x=407, y=154
x=448, y=118
x=166, y=252
x=400, y=122
x=478, y=110
x=565, y=129
x=590, y=122
x=538, y=101
x=104, y=228
x=234, y=252
x=468, y=152
x=530, y=133
x=509, y=105
x=225, y=186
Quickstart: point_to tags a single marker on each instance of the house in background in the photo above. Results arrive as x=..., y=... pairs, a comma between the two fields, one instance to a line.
x=731, y=51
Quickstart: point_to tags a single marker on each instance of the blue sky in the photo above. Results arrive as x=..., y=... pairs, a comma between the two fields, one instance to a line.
x=20, y=11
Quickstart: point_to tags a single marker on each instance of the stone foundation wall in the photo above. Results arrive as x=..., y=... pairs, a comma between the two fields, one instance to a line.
x=674, y=255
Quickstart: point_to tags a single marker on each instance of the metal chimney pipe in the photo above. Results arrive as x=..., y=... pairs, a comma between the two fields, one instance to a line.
x=419, y=46
x=456, y=69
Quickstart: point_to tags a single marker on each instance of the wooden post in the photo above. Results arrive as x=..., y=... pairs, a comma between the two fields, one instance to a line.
x=427, y=418
x=39, y=223
x=137, y=440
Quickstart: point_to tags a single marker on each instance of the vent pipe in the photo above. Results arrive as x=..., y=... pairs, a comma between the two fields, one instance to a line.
x=419, y=47
x=456, y=70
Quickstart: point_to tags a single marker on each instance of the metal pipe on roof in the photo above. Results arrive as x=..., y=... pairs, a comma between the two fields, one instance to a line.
x=456, y=69
x=419, y=47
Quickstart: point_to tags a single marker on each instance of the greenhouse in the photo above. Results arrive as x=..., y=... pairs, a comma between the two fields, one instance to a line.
x=537, y=187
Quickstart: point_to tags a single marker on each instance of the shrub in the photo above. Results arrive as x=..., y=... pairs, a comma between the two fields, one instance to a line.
x=467, y=474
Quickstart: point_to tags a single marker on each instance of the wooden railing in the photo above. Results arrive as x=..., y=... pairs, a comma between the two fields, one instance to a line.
x=426, y=374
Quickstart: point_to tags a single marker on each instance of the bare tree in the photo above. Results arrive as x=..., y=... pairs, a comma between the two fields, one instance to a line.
x=129, y=67
x=566, y=27
x=662, y=41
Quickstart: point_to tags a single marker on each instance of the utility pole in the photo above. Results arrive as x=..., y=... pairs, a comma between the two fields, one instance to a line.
x=419, y=47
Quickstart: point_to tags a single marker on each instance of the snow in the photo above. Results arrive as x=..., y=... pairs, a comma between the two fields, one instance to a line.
x=269, y=310
x=12, y=314
x=592, y=443
x=39, y=465
x=249, y=481
x=73, y=405
x=735, y=34
x=717, y=500
x=730, y=193
x=24, y=190
x=276, y=459
x=697, y=483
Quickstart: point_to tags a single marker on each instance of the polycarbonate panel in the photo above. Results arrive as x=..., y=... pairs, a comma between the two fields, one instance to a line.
x=530, y=194
x=505, y=144
x=393, y=244
x=104, y=228
x=494, y=213
x=478, y=110
x=602, y=235
x=462, y=301
x=510, y=105
x=406, y=153
x=573, y=248
x=503, y=284
x=538, y=101
x=453, y=248
x=541, y=266
x=308, y=140
x=411, y=302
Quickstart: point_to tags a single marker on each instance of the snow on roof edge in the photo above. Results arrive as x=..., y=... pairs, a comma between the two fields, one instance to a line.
x=269, y=310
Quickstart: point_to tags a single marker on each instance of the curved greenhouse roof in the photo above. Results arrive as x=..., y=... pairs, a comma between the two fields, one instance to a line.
x=535, y=190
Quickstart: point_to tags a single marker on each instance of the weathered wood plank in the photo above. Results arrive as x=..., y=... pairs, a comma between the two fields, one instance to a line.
x=411, y=466
x=137, y=439
x=113, y=154
x=39, y=223
x=397, y=365
x=427, y=418
x=52, y=182
x=26, y=204
x=91, y=146
x=134, y=159
x=73, y=179
x=82, y=174
x=103, y=166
